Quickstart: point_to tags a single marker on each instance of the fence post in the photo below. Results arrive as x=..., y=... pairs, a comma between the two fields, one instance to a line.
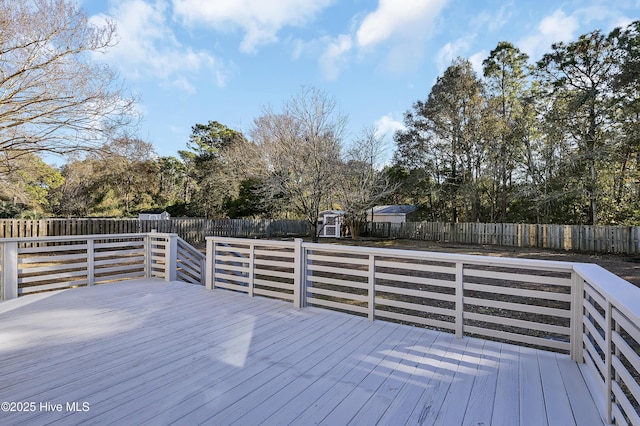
x=91, y=276
x=9, y=270
x=459, y=300
x=298, y=273
x=210, y=270
x=171, y=258
x=577, y=313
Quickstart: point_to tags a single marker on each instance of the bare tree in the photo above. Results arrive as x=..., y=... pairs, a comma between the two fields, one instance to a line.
x=302, y=147
x=53, y=97
x=362, y=183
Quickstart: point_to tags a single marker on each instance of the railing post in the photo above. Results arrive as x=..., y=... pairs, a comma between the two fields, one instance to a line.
x=298, y=273
x=171, y=258
x=372, y=287
x=577, y=314
x=148, y=255
x=91, y=276
x=9, y=270
x=607, y=358
x=252, y=253
x=210, y=270
x=459, y=300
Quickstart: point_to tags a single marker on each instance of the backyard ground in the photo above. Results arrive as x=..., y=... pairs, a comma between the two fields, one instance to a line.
x=625, y=266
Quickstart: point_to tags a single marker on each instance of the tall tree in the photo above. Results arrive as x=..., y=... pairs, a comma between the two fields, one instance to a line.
x=302, y=147
x=444, y=135
x=172, y=176
x=626, y=115
x=27, y=181
x=221, y=158
x=506, y=77
x=579, y=76
x=129, y=169
x=54, y=98
x=75, y=197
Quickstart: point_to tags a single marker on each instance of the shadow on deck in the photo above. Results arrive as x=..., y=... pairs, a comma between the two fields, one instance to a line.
x=150, y=351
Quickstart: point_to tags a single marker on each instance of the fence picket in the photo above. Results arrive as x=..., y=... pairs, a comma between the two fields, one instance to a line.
x=192, y=230
x=588, y=238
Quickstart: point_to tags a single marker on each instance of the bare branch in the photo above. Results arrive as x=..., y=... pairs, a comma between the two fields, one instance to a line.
x=53, y=97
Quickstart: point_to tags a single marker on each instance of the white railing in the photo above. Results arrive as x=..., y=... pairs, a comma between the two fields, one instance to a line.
x=578, y=309
x=29, y=265
x=190, y=263
x=610, y=343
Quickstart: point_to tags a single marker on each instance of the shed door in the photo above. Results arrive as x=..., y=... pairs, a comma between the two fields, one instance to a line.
x=331, y=226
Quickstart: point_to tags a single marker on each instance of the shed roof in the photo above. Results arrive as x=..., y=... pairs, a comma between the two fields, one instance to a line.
x=394, y=209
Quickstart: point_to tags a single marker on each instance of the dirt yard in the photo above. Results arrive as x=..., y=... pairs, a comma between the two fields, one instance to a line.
x=625, y=266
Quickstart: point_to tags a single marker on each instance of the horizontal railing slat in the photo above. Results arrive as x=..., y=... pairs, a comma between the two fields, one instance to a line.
x=49, y=277
x=518, y=307
x=49, y=249
x=630, y=382
x=273, y=284
x=416, y=267
x=520, y=277
x=337, y=270
x=531, y=325
x=229, y=286
x=623, y=401
x=337, y=294
x=532, y=340
x=118, y=277
x=595, y=358
x=50, y=268
x=274, y=294
x=515, y=291
x=274, y=273
x=414, y=280
x=417, y=293
x=415, y=307
x=336, y=281
x=337, y=305
x=415, y=319
x=56, y=286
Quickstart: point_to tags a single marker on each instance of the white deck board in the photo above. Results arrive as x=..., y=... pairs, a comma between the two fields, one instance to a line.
x=506, y=406
x=480, y=407
x=532, y=408
x=556, y=399
x=150, y=352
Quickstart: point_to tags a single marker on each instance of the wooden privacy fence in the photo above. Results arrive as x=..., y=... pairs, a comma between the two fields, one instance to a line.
x=587, y=238
x=193, y=230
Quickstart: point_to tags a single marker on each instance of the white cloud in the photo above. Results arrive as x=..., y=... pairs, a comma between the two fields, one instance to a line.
x=333, y=58
x=260, y=20
x=476, y=61
x=387, y=125
x=404, y=25
x=452, y=50
x=147, y=47
x=553, y=28
x=495, y=20
x=407, y=19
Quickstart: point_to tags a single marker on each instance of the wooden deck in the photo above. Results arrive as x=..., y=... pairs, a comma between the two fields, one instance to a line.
x=151, y=352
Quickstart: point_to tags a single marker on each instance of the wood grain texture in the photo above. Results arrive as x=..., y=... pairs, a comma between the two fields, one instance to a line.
x=155, y=352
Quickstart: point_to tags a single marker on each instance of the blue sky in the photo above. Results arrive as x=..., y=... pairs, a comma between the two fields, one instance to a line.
x=192, y=61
